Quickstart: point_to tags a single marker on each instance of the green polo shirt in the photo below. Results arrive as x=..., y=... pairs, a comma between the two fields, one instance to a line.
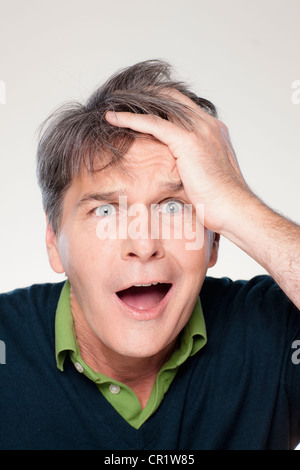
x=120, y=396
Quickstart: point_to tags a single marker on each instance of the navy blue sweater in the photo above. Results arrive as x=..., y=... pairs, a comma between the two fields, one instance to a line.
x=241, y=391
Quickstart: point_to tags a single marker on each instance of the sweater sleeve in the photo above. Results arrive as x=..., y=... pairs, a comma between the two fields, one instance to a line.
x=282, y=322
x=267, y=327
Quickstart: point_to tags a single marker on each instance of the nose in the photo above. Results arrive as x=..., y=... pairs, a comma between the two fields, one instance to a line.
x=142, y=242
x=142, y=249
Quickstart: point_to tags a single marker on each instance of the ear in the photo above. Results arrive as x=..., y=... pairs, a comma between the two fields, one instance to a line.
x=214, y=250
x=52, y=249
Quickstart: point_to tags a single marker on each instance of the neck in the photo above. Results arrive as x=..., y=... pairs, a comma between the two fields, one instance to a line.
x=138, y=373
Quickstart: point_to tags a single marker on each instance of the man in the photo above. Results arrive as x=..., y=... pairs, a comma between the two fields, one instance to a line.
x=125, y=354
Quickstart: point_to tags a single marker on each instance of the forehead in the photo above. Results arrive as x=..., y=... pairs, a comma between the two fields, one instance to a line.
x=149, y=154
x=148, y=172
x=147, y=162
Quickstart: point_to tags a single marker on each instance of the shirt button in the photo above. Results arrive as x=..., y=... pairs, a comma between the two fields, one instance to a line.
x=78, y=367
x=115, y=389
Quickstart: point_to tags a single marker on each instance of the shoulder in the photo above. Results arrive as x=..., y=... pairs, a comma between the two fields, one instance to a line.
x=259, y=291
x=257, y=305
x=34, y=295
x=38, y=301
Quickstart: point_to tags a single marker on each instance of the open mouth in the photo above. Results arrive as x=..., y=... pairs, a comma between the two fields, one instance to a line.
x=144, y=296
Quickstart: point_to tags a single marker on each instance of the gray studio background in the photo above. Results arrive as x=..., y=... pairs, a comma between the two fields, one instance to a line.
x=243, y=55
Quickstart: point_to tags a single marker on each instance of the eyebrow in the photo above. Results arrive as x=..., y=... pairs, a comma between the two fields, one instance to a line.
x=106, y=196
x=170, y=186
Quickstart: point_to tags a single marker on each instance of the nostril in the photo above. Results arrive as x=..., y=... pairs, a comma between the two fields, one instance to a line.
x=131, y=254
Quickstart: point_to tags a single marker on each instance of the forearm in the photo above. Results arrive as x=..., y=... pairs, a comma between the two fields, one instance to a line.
x=270, y=239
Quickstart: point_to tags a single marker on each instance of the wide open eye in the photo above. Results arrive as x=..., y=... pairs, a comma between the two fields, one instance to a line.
x=172, y=207
x=105, y=210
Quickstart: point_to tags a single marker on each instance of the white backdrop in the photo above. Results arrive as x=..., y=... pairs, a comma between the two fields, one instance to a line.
x=241, y=54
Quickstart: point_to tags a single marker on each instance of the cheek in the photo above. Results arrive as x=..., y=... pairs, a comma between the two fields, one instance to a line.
x=192, y=256
x=85, y=256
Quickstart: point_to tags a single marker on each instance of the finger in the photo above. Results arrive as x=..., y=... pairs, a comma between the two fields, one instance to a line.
x=163, y=130
x=230, y=150
x=193, y=109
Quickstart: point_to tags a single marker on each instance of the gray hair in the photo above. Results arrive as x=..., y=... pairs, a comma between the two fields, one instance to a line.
x=77, y=136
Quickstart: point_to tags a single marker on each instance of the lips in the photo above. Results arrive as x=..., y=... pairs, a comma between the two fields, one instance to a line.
x=144, y=296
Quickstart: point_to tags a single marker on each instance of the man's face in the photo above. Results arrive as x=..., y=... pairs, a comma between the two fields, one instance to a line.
x=131, y=321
